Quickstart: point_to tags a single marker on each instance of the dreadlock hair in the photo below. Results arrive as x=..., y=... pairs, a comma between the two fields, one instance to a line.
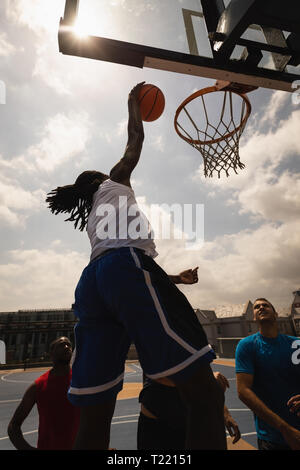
x=76, y=199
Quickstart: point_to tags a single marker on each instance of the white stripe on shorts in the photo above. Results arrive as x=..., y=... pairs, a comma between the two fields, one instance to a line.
x=97, y=389
x=160, y=312
x=183, y=364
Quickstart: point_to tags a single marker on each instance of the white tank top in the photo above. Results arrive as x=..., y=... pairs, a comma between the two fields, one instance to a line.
x=116, y=221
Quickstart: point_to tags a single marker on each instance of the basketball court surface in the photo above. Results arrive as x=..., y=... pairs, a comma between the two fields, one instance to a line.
x=124, y=424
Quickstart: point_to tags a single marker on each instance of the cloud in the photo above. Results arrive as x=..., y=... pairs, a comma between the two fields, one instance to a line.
x=6, y=48
x=158, y=143
x=262, y=151
x=232, y=269
x=40, y=279
x=122, y=127
x=36, y=15
x=10, y=218
x=262, y=189
x=238, y=267
x=277, y=200
x=63, y=138
x=277, y=101
x=16, y=203
x=184, y=222
x=46, y=68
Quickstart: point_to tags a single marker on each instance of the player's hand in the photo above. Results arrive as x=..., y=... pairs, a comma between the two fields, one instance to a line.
x=222, y=381
x=292, y=437
x=294, y=404
x=190, y=276
x=135, y=92
x=232, y=427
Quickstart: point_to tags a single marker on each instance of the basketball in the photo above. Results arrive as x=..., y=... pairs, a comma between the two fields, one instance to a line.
x=152, y=102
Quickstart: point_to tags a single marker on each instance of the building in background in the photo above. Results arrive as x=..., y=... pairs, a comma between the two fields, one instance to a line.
x=27, y=334
x=296, y=312
x=226, y=326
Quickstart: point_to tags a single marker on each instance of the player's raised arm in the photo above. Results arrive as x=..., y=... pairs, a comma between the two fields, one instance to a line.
x=121, y=172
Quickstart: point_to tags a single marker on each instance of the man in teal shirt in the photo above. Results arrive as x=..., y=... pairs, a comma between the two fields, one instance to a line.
x=267, y=378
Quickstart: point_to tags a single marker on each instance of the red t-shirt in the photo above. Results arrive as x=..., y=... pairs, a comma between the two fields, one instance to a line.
x=58, y=419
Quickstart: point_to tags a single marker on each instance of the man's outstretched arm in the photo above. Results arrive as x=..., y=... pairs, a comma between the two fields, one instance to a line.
x=190, y=276
x=121, y=172
x=247, y=396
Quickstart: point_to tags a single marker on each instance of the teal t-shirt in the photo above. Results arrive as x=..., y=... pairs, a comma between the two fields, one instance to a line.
x=276, y=377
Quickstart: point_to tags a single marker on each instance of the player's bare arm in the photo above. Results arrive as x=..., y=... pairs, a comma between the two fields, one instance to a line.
x=121, y=172
x=247, y=396
x=21, y=413
x=190, y=276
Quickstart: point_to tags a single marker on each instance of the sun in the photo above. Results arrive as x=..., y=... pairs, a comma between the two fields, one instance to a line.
x=88, y=23
x=81, y=29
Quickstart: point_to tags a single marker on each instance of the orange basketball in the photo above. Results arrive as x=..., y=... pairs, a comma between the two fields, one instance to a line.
x=152, y=102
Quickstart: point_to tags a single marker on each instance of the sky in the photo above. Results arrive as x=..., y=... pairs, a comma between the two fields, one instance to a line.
x=63, y=115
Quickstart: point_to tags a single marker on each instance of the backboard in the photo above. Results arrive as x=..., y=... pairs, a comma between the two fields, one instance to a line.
x=252, y=42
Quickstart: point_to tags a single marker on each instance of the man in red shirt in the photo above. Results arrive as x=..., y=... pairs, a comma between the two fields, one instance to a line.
x=58, y=419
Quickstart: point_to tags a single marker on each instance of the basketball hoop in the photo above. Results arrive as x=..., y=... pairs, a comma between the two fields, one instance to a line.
x=217, y=139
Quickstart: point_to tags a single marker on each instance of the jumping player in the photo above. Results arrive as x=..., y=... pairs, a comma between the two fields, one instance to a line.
x=123, y=296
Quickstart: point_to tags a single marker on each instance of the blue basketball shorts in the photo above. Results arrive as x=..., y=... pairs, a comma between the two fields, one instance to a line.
x=124, y=297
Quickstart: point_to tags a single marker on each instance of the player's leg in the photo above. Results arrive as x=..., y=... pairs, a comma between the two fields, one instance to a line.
x=158, y=434
x=101, y=346
x=205, y=424
x=171, y=343
x=94, y=428
x=204, y=400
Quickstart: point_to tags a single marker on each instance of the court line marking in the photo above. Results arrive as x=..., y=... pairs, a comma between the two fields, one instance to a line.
x=128, y=374
x=3, y=377
x=9, y=401
x=24, y=434
x=239, y=409
x=116, y=422
x=119, y=417
x=120, y=422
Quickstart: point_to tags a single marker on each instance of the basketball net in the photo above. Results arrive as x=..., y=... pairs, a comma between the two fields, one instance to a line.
x=217, y=140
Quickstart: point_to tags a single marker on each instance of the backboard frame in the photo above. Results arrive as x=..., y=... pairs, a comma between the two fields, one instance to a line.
x=136, y=55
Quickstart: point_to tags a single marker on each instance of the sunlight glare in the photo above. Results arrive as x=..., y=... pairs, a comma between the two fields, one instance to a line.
x=89, y=24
